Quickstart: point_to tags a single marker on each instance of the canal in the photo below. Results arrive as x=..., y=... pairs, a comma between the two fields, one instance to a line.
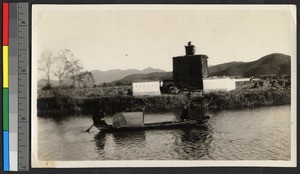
x=250, y=134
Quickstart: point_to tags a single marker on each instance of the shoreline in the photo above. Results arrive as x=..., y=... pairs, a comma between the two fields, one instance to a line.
x=215, y=100
x=240, y=99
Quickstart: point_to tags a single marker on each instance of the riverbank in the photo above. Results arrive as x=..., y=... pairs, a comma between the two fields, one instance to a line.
x=109, y=104
x=249, y=98
x=68, y=104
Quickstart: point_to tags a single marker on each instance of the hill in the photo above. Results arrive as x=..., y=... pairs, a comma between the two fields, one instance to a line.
x=116, y=74
x=146, y=77
x=107, y=76
x=276, y=63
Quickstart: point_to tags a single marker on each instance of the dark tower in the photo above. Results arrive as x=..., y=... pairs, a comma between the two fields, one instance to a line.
x=189, y=70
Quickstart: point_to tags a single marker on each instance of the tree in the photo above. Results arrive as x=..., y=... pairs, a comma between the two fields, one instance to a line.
x=65, y=66
x=75, y=70
x=45, y=65
x=85, y=79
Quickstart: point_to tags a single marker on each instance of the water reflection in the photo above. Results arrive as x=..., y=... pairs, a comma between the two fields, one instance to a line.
x=131, y=138
x=257, y=134
x=194, y=142
x=100, y=140
x=194, y=135
x=183, y=143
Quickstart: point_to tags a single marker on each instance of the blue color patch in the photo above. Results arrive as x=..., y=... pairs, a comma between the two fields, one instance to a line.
x=6, y=150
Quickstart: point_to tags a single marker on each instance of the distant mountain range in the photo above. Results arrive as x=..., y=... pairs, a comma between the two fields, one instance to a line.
x=117, y=74
x=276, y=63
x=146, y=77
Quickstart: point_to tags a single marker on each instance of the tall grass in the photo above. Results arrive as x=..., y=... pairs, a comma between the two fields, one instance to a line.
x=111, y=104
x=239, y=99
x=87, y=92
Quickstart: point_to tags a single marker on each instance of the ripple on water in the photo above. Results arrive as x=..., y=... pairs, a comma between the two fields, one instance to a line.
x=254, y=134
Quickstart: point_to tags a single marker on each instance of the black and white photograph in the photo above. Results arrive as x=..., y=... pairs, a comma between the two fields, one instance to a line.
x=163, y=85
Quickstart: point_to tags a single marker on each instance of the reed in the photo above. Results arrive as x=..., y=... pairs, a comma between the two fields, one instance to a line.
x=249, y=98
x=67, y=104
x=110, y=104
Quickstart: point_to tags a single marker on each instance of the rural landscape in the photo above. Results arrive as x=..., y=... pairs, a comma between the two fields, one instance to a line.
x=185, y=85
x=77, y=90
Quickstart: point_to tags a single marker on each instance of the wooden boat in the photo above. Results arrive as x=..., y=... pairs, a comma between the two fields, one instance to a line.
x=149, y=126
x=129, y=121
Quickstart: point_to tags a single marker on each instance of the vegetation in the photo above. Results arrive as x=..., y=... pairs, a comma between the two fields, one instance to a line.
x=75, y=90
x=95, y=92
x=63, y=69
x=109, y=104
x=248, y=98
x=119, y=99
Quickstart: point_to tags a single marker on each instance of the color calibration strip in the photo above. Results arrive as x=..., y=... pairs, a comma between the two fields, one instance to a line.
x=13, y=86
x=5, y=24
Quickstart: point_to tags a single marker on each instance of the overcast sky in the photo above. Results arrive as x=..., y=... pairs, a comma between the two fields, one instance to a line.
x=125, y=37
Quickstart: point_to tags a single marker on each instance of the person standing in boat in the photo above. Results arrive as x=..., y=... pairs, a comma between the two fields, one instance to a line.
x=185, y=113
x=98, y=117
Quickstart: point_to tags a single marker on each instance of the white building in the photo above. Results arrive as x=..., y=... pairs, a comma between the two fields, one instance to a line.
x=146, y=88
x=242, y=80
x=221, y=84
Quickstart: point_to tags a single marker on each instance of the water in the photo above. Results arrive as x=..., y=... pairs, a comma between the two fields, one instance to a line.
x=254, y=134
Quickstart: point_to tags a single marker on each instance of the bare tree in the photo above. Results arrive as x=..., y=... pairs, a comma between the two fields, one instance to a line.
x=63, y=65
x=45, y=65
x=65, y=68
x=75, y=70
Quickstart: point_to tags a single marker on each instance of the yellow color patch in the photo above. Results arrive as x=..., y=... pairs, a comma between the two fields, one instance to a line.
x=5, y=66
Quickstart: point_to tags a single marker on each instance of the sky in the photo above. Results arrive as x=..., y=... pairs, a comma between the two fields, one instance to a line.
x=106, y=37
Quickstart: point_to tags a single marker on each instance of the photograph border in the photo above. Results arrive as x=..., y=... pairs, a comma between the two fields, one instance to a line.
x=164, y=163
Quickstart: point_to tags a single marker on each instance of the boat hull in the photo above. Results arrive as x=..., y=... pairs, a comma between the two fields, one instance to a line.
x=150, y=126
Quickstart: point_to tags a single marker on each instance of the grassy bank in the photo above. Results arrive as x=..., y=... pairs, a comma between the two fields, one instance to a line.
x=249, y=98
x=110, y=105
x=88, y=92
x=68, y=104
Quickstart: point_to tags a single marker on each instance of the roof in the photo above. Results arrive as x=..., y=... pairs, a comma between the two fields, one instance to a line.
x=147, y=81
x=189, y=56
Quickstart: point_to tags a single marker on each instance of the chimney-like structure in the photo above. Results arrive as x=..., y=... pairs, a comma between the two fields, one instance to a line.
x=189, y=70
x=189, y=49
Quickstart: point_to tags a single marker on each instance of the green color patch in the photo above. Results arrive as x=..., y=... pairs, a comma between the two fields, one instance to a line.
x=5, y=109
